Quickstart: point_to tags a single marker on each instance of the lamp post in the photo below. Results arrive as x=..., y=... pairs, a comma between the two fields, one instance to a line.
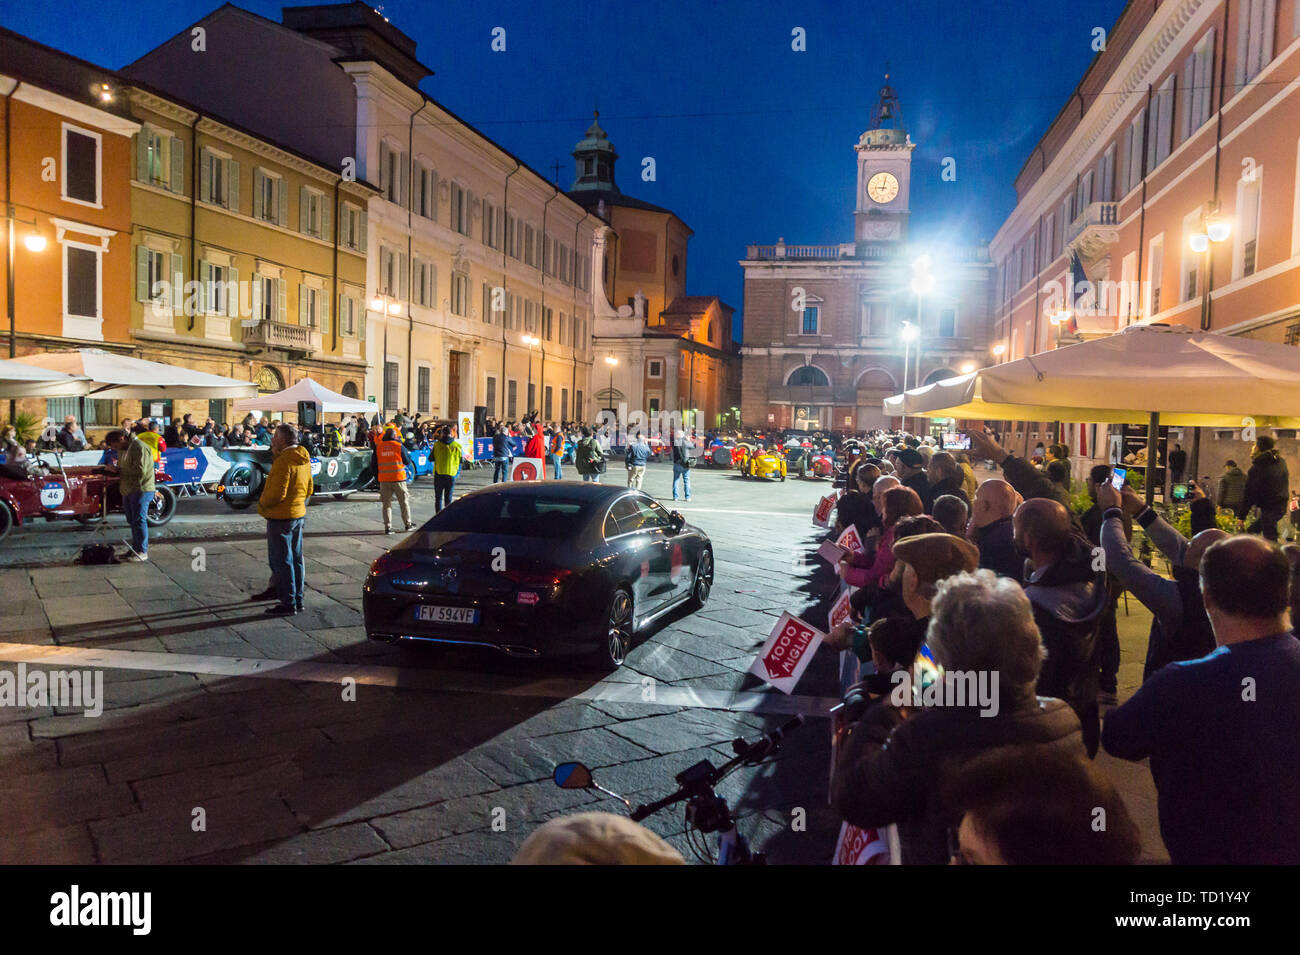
x=385, y=305
x=34, y=242
x=922, y=284
x=1215, y=228
x=909, y=334
x=611, y=361
x=530, y=341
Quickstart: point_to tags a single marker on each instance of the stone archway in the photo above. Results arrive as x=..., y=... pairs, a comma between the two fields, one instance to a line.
x=873, y=386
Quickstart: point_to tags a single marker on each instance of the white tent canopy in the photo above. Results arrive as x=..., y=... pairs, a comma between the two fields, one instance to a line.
x=306, y=390
x=1189, y=378
x=20, y=380
x=113, y=376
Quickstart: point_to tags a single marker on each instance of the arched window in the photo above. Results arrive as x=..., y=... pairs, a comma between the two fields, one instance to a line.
x=269, y=381
x=350, y=390
x=808, y=375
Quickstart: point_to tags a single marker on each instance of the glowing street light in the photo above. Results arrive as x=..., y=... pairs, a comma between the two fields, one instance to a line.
x=999, y=349
x=967, y=368
x=34, y=241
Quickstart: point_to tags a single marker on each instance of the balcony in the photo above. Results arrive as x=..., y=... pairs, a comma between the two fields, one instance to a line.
x=1094, y=230
x=783, y=251
x=869, y=251
x=281, y=335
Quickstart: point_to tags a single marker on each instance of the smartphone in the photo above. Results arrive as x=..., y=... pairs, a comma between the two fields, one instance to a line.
x=1117, y=478
x=960, y=442
x=1180, y=492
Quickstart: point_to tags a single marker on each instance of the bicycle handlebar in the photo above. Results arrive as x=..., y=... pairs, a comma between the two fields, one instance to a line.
x=747, y=754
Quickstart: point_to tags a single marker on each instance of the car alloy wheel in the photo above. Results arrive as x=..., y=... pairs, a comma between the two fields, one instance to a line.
x=618, y=639
x=703, y=578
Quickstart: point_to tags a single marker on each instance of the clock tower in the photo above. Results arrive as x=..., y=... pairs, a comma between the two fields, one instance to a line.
x=884, y=173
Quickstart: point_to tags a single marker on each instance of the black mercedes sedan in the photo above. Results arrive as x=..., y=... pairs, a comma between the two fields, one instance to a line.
x=540, y=568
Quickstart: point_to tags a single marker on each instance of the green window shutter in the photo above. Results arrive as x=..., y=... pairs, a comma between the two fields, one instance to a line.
x=345, y=234
x=178, y=281
x=324, y=301
x=205, y=286
x=232, y=185
x=402, y=289
x=178, y=165
x=141, y=274
x=361, y=229
x=142, y=140
x=362, y=315
x=279, y=291
x=232, y=301
x=282, y=196
x=205, y=176
x=326, y=220
x=302, y=304
x=257, y=193
x=304, y=206
x=257, y=298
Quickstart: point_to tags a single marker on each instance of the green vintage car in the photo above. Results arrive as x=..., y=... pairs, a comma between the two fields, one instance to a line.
x=350, y=470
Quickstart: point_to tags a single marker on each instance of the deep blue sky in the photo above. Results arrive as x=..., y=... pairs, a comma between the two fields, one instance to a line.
x=751, y=140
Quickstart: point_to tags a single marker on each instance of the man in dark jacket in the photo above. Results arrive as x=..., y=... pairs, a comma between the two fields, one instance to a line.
x=1268, y=487
x=911, y=471
x=1232, y=487
x=1108, y=632
x=991, y=531
x=1221, y=731
x=501, y=455
x=1067, y=587
x=980, y=624
x=1180, y=629
x=945, y=476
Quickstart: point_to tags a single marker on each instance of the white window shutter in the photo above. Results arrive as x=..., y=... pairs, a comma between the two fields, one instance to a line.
x=282, y=198
x=232, y=185
x=323, y=302
x=178, y=165
x=205, y=286
x=304, y=206
x=143, y=140
x=303, y=318
x=402, y=288
x=1186, y=126
x=232, y=300
x=178, y=280
x=205, y=176
x=363, y=315
x=279, y=291
x=142, y=274
x=257, y=298
x=345, y=235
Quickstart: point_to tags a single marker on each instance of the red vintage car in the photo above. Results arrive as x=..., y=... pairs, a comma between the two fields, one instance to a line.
x=84, y=494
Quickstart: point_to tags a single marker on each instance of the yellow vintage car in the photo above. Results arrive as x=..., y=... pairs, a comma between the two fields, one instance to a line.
x=758, y=463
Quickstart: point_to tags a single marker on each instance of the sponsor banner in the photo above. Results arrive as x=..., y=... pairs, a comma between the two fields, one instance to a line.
x=850, y=540
x=841, y=610
x=528, y=469
x=786, y=655
x=822, y=513
x=465, y=425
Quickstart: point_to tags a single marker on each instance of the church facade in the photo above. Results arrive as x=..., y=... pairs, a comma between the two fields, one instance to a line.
x=832, y=330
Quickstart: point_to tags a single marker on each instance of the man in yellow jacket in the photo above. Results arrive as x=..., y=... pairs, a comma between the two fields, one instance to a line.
x=447, y=455
x=284, y=505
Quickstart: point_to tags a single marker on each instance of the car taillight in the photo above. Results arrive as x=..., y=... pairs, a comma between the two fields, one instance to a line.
x=390, y=564
x=538, y=578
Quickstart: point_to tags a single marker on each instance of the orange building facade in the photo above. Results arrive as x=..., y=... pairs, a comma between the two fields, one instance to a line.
x=1167, y=190
x=66, y=162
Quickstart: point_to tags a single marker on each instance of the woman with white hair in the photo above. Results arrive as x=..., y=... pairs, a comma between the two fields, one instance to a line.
x=982, y=634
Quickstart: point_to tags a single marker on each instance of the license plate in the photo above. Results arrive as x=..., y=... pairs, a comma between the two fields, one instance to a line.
x=235, y=490
x=426, y=614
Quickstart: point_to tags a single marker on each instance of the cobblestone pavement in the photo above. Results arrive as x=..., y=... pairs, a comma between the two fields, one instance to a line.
x=214, y=714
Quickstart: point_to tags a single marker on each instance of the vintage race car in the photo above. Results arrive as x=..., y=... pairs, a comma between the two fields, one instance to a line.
x=85, y=494
x=763, y=464
x=339, y=474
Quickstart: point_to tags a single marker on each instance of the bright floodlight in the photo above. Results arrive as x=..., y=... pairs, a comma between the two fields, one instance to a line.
x=967, y=368
x=910, y=332
x=35, y=242
x=999, y=349
x=611, y=360
x=922, y=283
x=1199, y=242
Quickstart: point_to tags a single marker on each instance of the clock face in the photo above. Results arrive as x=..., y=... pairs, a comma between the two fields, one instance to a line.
x=882, y=187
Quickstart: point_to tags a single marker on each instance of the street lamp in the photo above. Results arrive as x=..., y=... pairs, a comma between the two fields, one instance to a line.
x=1215, y=228
x=35, y=242
x=611, y=361
x=385, y=305
x=999, y=350
x=909, y=334
x=967, y=368
x=530, y=341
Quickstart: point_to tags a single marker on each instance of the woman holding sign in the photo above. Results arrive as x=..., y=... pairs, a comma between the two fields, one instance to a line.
x=900, y=502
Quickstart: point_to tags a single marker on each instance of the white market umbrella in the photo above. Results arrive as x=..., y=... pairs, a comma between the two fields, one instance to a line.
x=1187, y=377
x=306, y=390
x=20, y=380
x=112, y=376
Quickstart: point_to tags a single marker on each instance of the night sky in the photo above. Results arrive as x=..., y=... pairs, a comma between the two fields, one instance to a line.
x=751, y=140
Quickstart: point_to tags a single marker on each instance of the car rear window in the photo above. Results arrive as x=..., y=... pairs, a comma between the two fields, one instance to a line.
x=551, y=516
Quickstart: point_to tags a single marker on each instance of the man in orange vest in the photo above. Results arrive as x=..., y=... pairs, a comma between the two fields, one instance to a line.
x=392, y=462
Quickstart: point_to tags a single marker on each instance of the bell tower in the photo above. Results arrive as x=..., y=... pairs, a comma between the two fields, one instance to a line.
x=884, y=173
